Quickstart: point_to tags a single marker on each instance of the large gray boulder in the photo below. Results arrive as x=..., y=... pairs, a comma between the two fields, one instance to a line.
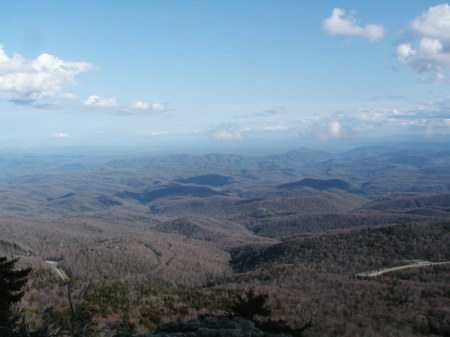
x=212, y=327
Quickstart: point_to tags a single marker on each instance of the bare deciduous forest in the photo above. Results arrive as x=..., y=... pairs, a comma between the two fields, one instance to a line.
x=154, y=239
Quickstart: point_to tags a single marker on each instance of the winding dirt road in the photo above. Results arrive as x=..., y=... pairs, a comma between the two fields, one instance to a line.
x=61, y=273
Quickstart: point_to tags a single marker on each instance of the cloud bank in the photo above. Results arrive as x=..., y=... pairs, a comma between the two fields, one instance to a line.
x=225, y=134
x=340, y=24
x=112, y=105
x=432, y=55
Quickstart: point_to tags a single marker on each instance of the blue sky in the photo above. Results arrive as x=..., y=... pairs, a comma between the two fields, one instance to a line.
x=223, y=74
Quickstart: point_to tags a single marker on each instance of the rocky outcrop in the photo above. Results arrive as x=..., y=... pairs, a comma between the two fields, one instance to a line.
x=212, y=327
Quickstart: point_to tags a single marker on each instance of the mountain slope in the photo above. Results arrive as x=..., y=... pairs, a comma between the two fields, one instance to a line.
x=318, y=184
x=215, y=180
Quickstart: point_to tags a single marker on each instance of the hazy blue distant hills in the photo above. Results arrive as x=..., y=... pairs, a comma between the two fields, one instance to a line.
x=318, y=184
x=215, y=180
x=402, y=204
x=397, y=153
x=221, y=162
x=388, y=158
x=443, y=170
x=169, y=191
x=228, y=182
x=302, y=157
x=77, y=203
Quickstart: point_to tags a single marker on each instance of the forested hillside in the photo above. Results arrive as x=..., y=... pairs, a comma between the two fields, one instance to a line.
x=152, y=239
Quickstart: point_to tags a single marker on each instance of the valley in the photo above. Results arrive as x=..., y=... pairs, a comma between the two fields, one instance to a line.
x=173, y=236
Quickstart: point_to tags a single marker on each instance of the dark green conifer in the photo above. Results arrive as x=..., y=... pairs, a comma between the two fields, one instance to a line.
x=250, y=305
x=12, y=282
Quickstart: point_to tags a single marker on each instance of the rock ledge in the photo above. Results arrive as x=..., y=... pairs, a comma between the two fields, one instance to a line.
x=212, y=327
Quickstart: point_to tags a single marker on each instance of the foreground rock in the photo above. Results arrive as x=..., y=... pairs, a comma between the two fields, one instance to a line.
x=212, y=327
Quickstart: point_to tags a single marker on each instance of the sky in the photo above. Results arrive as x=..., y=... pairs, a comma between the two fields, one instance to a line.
x=223, y=75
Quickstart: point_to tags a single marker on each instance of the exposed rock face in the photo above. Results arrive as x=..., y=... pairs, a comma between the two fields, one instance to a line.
x=212, y=327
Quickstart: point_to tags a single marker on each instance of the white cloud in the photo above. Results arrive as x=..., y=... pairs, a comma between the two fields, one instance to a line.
x=382, y=114
x=140, y=105
x=158, y=107
x=98, y=101
x=226, y=134
x=333, y=130
x=438, y=128
x=112, y=105
x=46, y=76
x=276, y=128
x=432, y=55
x=144, y=106
x=431, y=117
x=435, y=108
x=60, y=135
x=338, y=23
x=158, y=133
x=434, y=23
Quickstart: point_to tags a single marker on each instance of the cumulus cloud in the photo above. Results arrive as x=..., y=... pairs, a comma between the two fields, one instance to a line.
x=338, y=23
x=112, y=105
x=158, y=107
x=432, y=55
x=60, y=135
x=140, y=105
x=333, y=130
x=98, y=101
x=44, y=79
x=434, y=23
x=26, y=81
x=225, y=134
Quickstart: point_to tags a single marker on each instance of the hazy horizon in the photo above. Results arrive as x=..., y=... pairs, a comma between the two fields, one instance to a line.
x=259, y=148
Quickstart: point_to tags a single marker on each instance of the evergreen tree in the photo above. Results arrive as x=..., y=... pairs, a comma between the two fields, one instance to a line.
x=12, y=282
x=250, y=305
